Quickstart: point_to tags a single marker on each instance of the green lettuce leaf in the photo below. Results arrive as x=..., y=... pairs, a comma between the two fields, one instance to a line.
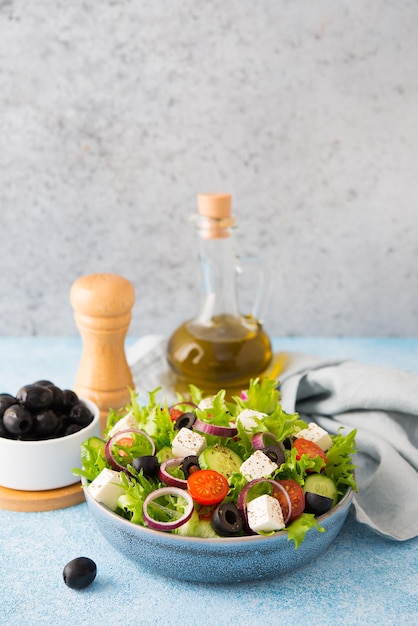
x=300, y=526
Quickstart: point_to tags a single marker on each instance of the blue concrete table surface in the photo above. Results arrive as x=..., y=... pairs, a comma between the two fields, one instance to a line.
x=362, y=579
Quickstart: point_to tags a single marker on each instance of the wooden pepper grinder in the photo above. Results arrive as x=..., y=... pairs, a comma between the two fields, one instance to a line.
x=102, y=306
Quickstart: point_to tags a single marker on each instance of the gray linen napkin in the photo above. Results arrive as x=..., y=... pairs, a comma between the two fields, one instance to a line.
x=382, y=404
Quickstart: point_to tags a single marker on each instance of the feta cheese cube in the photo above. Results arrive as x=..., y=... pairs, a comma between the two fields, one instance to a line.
x=246, y=419
x=258, y=465
x=106, y=488
x=317, y=435
x=264, y=514
x=187, y=442
x=206, y=403
x=125, y=423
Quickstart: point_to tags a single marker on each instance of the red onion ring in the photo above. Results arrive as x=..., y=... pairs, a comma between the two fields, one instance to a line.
x=242, y=499
x=213, y=429
x=108, y=447
x=259, y=440
x=173, y=406
x=167, y=478
x=167, y=491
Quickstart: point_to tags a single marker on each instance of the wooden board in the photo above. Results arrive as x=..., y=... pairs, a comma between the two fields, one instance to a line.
x=50, y=500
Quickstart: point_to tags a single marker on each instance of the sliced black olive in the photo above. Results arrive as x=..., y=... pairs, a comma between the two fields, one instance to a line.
x=79, y=573
x=275, y=453
x=80, y=414
x=17, y=420
x=6, y=400
x=316, y=504
x=45, y=423
x=147, y=463
x=186, y=420
x=288, y=443
x=36, y=397
x=226, y=520
x=189, y=464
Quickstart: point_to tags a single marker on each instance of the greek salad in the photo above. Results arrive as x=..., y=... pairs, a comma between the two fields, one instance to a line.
x=212, y=467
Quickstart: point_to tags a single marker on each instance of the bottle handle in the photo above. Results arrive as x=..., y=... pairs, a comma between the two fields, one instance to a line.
x=260, y=293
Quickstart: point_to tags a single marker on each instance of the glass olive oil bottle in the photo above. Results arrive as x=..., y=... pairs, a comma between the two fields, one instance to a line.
x=219, y=348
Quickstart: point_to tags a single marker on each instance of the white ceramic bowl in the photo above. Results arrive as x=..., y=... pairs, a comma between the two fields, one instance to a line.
x=46, y=464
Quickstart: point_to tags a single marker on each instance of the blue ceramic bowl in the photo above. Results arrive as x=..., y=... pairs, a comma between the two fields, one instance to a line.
x=226, y=560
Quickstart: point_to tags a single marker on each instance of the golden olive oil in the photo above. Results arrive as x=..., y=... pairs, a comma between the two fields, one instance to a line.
x=224, y=354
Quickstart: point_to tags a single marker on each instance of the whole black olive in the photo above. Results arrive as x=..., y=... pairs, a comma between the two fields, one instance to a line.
x=44, y=383
x=186, y=420
x=45, y=423
x=3, y=432
x=64, y=424
x=36, y=397
x=80, y=414
x=6, y=400
x=71, y=429
x=227, y=520
x=275, y=453
x=58, y=397
x=17, y=420
x=79, y=573
x=189, y=464
x=70, y=398
x=147, y=463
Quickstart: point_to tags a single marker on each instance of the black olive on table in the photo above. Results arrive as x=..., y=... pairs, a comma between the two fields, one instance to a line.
x=79, y=573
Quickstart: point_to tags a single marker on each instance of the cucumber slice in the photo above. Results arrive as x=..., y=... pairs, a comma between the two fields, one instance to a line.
x=196, y=527
x=94, y=443
x=321, y=485
x=220, y=459
x=164, y=454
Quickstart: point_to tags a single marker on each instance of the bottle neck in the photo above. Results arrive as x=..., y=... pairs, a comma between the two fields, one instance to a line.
x=219, y=263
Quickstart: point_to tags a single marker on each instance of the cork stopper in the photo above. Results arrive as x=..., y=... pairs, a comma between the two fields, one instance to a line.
x=214, y=212
x=214, y=205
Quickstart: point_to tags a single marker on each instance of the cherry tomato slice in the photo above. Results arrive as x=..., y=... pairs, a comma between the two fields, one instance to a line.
x=207, y=487
x=175, y=413
x=303, y=446
x=296, y=495
x=126, y=442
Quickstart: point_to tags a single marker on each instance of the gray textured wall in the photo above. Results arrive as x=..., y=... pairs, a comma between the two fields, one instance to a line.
x=114, y=115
